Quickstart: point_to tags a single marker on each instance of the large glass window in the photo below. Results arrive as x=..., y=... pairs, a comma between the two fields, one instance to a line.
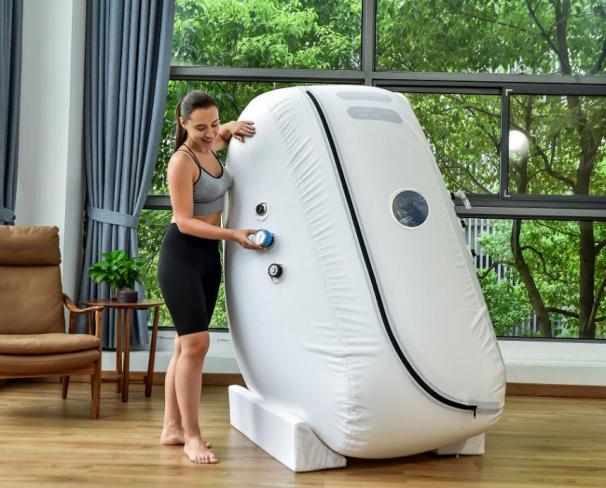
x=542, y=278
x=268, y=33
x=542, y=270
x=501, y=36
x=464, y=133
x=557, y=145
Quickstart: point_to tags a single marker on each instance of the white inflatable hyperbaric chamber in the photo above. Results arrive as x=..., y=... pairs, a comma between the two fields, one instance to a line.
x=376, y=333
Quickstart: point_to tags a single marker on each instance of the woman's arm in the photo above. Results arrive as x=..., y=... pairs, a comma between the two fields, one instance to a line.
x=181, y=175
x=236, y=128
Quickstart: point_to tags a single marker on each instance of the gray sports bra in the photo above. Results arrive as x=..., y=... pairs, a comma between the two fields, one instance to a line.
x=209, y=190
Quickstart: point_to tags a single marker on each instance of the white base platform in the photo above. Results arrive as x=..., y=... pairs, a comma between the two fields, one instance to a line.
x=282, y=435
x=472, y=446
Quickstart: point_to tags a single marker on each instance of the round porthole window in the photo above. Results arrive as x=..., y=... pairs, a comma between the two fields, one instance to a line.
x=409, y=208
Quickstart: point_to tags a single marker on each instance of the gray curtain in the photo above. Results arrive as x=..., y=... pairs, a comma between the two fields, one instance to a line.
x=11, y=24
x=128, y=52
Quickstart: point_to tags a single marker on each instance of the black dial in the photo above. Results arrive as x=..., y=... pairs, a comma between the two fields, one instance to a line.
x=261, y=209
x=275, y=270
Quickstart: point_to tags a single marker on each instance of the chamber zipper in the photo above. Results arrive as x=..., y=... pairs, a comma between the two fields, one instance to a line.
x=419, y=380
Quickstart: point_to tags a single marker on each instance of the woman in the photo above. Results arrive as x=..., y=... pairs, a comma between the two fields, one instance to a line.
x=189, y=270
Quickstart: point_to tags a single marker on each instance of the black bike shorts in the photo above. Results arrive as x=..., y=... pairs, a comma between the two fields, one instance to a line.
x=189, y=273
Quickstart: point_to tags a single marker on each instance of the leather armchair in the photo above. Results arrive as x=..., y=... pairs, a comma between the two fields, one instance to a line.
x=33, y=338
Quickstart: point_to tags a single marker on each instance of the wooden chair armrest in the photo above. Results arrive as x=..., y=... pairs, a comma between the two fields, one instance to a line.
x=73, y=308
x=74, y=311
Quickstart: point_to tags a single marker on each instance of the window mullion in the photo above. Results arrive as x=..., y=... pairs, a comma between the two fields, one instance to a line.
x=504, y=145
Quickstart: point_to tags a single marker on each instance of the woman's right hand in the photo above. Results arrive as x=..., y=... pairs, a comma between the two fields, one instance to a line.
x=241, y=237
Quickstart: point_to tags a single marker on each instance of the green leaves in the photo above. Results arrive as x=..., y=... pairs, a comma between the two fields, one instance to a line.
x=500, y=36
x=551, y=251
x=268, y=33
x=117, y=270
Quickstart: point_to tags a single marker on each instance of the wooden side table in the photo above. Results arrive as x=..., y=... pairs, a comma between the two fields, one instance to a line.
x=125, y=311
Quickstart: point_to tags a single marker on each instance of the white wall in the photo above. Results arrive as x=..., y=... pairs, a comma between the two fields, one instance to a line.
x=555, y=362
x=50, y=191
x=50, y=182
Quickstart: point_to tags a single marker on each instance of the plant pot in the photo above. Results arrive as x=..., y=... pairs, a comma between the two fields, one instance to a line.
x=127, y=296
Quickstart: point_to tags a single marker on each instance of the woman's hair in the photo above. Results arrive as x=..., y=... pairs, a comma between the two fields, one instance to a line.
x=190, y=102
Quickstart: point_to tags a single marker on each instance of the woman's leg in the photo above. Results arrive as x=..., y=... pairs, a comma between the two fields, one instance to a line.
x=172, y=431
x=188, y=385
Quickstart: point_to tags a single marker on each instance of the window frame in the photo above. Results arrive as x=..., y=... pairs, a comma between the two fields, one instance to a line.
x=503, y=204
x=499, y=206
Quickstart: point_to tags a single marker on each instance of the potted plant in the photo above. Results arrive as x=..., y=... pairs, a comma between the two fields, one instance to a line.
x=120, y=272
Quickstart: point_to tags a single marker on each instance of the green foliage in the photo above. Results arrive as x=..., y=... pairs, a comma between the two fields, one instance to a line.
x=219, y=318
x=268, y=33
x=117, y=270
x=504, y=294
x=464, y=133
x=506, y=301
x=551, y=251
x=152, y=226
x=564, y=134
x=493, y=36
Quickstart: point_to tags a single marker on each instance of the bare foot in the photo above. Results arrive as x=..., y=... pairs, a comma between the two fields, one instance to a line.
x=197, y=452
x=173, y=436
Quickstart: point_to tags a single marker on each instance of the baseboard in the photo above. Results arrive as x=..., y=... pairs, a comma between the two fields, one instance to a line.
x=210, y=379
x=226, y=379
x=546, y=390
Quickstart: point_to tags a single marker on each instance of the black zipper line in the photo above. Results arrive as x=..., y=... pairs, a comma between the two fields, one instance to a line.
x=441, y=398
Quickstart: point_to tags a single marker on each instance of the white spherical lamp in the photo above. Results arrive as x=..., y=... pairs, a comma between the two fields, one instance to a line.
x=518, y=145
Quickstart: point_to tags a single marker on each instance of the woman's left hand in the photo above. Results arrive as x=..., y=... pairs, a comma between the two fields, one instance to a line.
x=241, y=129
